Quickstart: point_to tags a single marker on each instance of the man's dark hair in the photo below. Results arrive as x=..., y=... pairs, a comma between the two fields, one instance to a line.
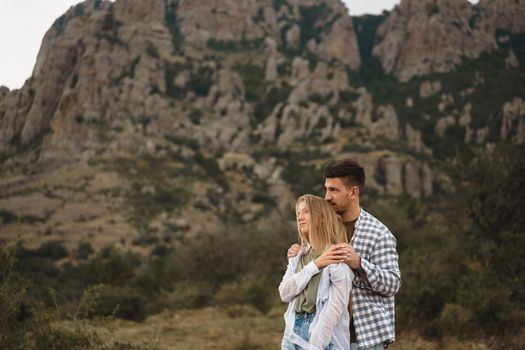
x=348, y=169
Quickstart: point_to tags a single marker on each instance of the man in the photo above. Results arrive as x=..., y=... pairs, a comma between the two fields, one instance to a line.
x=371, y=254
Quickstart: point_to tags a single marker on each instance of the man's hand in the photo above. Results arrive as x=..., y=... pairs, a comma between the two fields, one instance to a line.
x=352, y=259
x=294, y=250
x=333, y=255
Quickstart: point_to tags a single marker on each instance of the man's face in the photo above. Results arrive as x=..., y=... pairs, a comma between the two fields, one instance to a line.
x=338, y=194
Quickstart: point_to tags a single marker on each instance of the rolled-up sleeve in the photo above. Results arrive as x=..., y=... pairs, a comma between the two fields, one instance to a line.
x=341, y=284
x=293, y=283
x=382, y=269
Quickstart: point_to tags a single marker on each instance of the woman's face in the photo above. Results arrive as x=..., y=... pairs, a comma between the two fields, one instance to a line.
x=303, y=218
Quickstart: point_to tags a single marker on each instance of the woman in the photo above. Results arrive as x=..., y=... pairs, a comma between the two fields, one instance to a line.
x=317, y=316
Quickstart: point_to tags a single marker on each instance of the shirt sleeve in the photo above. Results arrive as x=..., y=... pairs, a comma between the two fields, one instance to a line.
x=382, y=269
x=341, y=277
x=293, y=283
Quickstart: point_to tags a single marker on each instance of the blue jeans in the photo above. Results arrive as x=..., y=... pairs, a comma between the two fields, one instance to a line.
x=301, y=327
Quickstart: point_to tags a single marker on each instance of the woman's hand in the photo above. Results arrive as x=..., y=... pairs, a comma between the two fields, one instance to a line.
x=294, y=250
x=337, y=253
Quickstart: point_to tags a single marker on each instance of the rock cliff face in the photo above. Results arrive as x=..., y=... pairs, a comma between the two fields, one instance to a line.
x=91, y=77
x=171, y=115
x=426, y=36
x=435, y=36
x=506, y=15
x=322, y=28
x=148, y=120
x=513, y=121
x=106, y=70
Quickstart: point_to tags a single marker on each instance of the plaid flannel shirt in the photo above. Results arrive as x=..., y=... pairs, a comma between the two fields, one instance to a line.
x=373, y=295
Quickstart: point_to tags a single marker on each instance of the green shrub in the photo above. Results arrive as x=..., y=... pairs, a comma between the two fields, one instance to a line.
x=250, y=289
x=146, y=206
x=303, y=178
x=159, y=273
x=277, y=4
x=253, y=79
x=201, y=81
x=266, y=102
x=173, y=24
x=122, y=302
x=84, y=250
x=53, y=250
x=308, y=23
x=24, y=322
x=222, y=45
x=146, y=239
x=263, y=198
x=432, y=9
x=79, y=10
x=186, y=141
x=320, y=99
x=110, y=267
x=212, y=169
x=152, y=50
x=59, y=24
x=474, y=18
x=196, y=116
x=189, y=296
x=109, y=20
x=7, y=216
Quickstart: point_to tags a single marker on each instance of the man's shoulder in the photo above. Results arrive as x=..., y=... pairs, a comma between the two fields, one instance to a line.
x=372, y=224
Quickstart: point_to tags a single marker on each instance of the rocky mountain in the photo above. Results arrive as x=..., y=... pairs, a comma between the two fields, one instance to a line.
x=148, y=120
x=506, y=15
x=436, y=36
x=421, y=37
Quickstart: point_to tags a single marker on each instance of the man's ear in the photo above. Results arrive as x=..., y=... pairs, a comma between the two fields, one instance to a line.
x=354, y=192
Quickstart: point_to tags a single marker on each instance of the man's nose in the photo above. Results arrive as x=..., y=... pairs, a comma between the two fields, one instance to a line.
x=327, y=196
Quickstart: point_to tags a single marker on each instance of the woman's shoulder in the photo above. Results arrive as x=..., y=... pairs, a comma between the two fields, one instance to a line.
x=341, y=270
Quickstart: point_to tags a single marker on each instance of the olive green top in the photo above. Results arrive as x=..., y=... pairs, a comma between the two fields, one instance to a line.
x=306, y=300
x=350, y=229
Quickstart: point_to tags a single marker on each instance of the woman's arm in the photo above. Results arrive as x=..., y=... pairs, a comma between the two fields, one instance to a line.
x=341, y=277
x=293, y=283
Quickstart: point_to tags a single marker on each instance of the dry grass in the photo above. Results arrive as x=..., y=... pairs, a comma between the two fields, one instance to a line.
x=223, y=329
x=72, y=203
x=209, y=328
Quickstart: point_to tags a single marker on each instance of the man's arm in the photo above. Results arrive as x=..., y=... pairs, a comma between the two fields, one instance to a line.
x=381, y=272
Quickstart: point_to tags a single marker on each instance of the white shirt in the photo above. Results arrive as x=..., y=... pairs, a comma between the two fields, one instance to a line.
x=331, y=321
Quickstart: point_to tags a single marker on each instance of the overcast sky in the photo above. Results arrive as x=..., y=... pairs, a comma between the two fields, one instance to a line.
x=23, y=24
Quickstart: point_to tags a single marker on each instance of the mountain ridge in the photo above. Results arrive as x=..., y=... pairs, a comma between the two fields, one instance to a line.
x=156, y=117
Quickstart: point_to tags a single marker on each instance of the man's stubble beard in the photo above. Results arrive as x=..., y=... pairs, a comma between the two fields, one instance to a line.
x=336, y=208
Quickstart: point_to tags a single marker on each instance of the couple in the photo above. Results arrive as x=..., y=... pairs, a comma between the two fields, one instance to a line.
x=341, y=281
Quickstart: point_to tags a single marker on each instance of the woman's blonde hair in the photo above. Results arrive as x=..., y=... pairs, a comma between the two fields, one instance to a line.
x=325, y=227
